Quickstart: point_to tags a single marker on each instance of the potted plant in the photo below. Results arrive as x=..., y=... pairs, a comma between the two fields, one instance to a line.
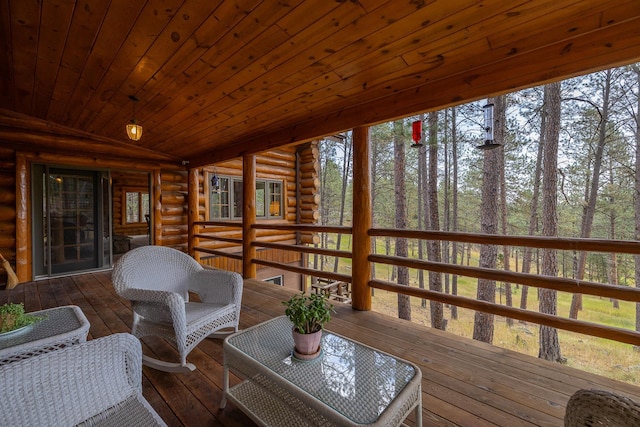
x=308, y=313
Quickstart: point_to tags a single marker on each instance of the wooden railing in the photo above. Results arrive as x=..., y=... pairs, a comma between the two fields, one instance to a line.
x=555, y=283
x=210, y=231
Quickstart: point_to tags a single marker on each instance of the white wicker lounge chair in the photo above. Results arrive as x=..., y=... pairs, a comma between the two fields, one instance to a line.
x=601, y=408
x=98, y=382
x=157, y=281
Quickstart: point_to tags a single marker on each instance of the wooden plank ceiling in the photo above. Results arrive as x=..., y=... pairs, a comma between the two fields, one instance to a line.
x=217, y=79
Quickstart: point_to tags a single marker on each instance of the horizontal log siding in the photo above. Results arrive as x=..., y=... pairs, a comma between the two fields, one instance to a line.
x=7, y=208
x=273, y=165
x=173, y=200
x=235, y=264
x=122, y=182
x=308, y=187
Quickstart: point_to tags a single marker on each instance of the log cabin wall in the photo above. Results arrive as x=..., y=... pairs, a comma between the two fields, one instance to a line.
x=123, y=181
x=7, y=208
x=308, y=189
x=297, y=168
x=42, y=142
x=173, y=200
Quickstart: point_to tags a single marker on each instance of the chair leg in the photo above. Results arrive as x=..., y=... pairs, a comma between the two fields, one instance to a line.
x=161, y=365
x=223, y=334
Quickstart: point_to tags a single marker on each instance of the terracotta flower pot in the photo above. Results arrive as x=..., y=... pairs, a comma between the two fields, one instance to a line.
x=307, y=346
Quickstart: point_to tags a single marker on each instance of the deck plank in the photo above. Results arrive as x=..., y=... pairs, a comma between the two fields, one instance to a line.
x=464, y=382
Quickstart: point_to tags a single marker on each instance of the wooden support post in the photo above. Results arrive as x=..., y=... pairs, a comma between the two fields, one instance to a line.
x=362, y=220
x=248, y=216
x=192, y=213
x=23, y=235
x=156, y=219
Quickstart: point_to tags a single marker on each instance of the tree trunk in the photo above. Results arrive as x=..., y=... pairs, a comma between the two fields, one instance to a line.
x=324, y=205
x=404, y=302
x=345, y=180
x=423, y=206
x=549, y=343
x=636, y=199
x=446, y=204
x=483, y=324
x=590, y=203
x=613, y=260
x=433, y=246
x=500, y=138
x=454, y=195
x=533, y=213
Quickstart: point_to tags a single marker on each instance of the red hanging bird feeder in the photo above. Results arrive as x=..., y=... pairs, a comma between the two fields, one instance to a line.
x=417, y=133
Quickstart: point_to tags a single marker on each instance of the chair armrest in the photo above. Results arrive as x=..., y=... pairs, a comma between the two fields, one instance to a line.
x=217, y=286
x=153, y=305
x=153, y=296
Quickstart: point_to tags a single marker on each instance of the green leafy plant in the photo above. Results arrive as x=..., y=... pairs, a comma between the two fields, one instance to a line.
x=308, y=312
x=12, y=317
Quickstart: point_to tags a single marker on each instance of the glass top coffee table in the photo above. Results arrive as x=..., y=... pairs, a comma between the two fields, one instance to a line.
x=348, y=384
x=60, y=327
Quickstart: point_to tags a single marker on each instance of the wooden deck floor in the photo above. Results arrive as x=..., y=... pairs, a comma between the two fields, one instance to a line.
x=464, y=382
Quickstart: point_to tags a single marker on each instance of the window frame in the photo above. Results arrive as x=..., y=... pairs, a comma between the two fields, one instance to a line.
x=235, y=197
x=141, y=212
x=275, y=279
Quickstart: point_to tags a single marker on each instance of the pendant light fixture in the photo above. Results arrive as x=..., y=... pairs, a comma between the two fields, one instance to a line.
x=134, y=130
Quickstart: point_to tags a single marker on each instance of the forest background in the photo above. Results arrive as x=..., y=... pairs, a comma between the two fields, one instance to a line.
x=568, y=165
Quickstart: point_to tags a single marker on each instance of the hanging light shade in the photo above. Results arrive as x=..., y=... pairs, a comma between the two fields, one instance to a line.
x=417, y=133
x=134, y=130
x=488, y=129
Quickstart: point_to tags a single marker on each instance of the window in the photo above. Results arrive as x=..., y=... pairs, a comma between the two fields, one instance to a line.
x=225, y=200
x=237, y=198
x=219, y=200
x=277, y=280
x=275, y=199
x=136, y=206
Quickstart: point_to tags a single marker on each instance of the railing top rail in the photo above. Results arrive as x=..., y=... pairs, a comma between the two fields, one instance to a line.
x=563, y=243
x=304, y=227
x=219, y=223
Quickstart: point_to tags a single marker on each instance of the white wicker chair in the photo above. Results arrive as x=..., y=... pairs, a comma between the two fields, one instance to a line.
x=157, y=281
x=98, y=382
x=601, y=408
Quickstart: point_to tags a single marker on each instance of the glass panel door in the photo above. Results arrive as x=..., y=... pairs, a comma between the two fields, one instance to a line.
x=71, y=220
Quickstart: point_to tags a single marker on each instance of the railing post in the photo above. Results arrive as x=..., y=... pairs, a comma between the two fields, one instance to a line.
x=156, y=219
x=23, y=234
x=192, y=215
x=248, y=216
x=362, y=220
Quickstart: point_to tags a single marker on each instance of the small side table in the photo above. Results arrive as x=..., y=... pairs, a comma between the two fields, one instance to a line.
x=61, y=327
x=349, y=384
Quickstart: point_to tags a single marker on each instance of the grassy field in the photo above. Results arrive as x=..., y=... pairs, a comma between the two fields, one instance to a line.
x=592, y=354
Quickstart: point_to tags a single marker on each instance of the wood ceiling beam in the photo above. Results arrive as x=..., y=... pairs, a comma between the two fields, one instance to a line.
x=31, y=134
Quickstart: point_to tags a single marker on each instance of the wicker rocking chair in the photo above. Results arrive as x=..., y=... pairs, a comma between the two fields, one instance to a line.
x=601, y=408
x=157, y=281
